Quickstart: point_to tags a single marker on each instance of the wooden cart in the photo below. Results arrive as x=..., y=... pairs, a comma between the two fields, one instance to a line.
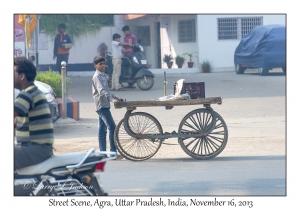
x=202, y=133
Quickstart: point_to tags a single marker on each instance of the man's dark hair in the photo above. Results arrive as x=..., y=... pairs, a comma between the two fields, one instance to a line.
x=62, y=26
x=25, y=66
x=115, y=36
x=98, y=59
x=126, y=28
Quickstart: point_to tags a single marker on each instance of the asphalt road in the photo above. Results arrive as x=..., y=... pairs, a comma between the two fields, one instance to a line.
x=238, y=175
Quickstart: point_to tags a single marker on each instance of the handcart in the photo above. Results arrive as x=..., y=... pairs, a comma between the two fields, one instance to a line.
x=202, y=133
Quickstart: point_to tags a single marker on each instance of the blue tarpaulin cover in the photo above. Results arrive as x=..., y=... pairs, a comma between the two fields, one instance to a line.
x=264, y=46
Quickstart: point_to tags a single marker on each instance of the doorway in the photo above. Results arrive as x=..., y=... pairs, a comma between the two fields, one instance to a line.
x=158, y=46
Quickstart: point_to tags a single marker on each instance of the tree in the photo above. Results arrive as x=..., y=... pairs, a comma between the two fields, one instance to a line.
x=76, y=25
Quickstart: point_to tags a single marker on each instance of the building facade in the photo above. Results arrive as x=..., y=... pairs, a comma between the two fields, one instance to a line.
x=212, y=37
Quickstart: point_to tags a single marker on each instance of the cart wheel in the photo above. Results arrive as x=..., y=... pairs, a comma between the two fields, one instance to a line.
x=134, y=148
x=211, y=143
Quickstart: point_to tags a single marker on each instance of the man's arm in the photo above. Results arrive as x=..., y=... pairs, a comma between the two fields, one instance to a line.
x=69, y=38
x=128, y=50
x=125, y=44
x=22, y=105
x=121, y=43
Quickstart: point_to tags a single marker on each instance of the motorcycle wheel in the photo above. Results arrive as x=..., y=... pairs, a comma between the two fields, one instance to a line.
x=145, y=82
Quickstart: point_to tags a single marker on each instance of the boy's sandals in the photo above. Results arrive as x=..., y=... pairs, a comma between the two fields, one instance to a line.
x=119, y=157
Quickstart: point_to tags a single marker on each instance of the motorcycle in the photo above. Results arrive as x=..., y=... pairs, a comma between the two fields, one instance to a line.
x=73, y=174
x=133, y=69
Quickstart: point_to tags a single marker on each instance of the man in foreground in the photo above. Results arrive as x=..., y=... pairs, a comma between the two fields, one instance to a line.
x=32, y=118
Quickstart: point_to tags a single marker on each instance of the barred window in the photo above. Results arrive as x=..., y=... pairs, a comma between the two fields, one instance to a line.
x=143, y=33
x=236, y=28
x=227, y=28
x=247, y=24
x=186, y=31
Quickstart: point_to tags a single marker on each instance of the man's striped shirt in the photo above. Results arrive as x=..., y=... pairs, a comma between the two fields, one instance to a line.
x=34, y=121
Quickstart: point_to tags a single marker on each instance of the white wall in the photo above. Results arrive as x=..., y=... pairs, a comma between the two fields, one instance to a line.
x=180, y=48
x=176, y=48
x=221, y=52
x=85, y=48
x=274, y=19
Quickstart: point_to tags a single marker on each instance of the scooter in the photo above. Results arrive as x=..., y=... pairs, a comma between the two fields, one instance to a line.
x=133, y=69
x=73, y=174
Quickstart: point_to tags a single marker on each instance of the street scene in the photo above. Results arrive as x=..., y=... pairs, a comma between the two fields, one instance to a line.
x=252, y=163
x=150, y=105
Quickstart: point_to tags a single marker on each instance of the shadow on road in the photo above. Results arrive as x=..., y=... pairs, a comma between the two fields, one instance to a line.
x=219, y=159
x=250, y=187
x=271, y=74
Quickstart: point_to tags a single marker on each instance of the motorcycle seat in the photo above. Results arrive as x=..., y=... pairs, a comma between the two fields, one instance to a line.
x=52, y=162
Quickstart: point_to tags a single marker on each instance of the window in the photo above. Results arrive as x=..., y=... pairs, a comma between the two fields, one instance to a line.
x=186, y=31
x=236, y=28
x=143, y=33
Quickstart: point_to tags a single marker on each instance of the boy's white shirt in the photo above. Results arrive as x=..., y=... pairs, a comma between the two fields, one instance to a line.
x=116, y=49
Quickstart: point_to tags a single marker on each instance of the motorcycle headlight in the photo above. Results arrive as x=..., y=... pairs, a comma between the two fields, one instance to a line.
x=50, y=97
x=142, y=49
x=135, y=60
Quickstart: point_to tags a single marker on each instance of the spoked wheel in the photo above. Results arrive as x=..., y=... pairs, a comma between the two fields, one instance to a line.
x=138, y=149
x=213, y=130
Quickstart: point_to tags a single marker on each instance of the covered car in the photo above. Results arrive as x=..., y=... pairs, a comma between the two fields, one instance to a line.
x=263, y=48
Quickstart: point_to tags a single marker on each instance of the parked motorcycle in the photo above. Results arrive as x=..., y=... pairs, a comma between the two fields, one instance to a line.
x=73, y=174
x=133, y=69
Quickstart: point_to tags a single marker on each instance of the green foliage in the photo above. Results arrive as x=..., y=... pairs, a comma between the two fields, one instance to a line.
x=54, y=80
x=167, y=58
x=190, y=55
x=179, y=59
x=76, y=25
x=206, y=63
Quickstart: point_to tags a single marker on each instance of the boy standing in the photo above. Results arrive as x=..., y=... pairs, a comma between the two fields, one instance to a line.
x=117, y=60
x=102, y=99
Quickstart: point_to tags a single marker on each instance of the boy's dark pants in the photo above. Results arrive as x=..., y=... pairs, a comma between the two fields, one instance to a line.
x=106, y=121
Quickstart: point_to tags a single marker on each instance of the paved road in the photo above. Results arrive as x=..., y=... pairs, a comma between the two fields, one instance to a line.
x=253, y=162
x=236, y=175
